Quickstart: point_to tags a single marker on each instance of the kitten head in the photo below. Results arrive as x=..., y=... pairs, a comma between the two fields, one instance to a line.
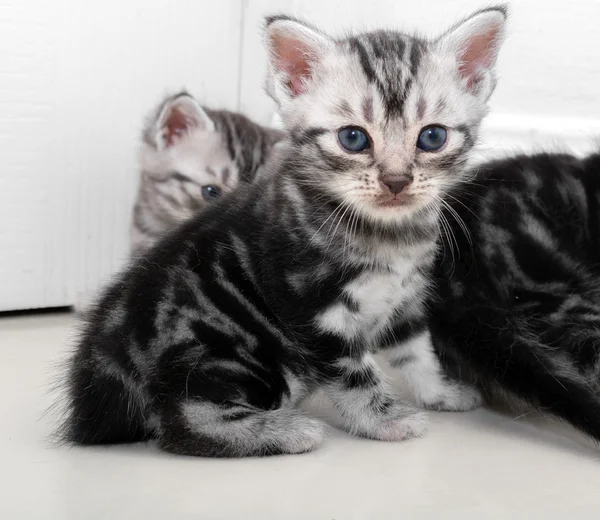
x=182, y=141
x=383, y=120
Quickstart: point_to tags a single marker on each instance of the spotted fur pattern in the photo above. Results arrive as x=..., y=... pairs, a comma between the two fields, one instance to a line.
x=518, y=311
x=212, y=340
x=206, y=148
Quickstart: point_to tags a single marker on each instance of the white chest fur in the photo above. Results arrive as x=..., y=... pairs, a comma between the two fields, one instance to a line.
x=373, y=298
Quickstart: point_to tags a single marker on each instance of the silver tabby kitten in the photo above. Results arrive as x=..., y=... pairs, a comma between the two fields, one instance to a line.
x=189, y=157
x=528, y=232
x=211, y=342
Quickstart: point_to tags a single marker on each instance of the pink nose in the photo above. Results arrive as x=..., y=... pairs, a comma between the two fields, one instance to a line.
x=395, y=184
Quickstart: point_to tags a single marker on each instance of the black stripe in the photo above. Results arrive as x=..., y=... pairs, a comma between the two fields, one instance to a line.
x=181, y=178
x=421, y=107
x=237, y=416
x=229, y=139
x=378, y=43
x=403, y=331
x=381, y=403
x=468, y=137
x=403, y=361
x=350, y=303
x=242, y=281
x=172, y=176
x=307, y=136
x=365, y=62
x=243, y=312
x=416, y=53
x=359, y=379
x=448, y=160
x=334, y=162
x=265, y=148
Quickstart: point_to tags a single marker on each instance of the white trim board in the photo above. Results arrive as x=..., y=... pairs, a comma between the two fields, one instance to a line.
x=508, y=133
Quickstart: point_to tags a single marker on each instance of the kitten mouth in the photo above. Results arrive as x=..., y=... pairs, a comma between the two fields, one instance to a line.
x=394, y=201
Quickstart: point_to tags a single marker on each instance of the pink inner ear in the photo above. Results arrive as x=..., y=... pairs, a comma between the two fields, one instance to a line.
x=291, y=58
x=478, y=53
x=176, y=125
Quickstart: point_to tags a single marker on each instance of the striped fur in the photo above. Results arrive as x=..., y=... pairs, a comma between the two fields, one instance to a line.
x=212, y=340
x=518, y=311
x=213, y=148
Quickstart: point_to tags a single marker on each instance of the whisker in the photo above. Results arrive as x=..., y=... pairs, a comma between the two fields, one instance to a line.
x=340, y=219
x=460, y=222
x=464, y=206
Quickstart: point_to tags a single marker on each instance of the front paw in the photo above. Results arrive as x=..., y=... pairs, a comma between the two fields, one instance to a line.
x=455, y=398
x=395, y=428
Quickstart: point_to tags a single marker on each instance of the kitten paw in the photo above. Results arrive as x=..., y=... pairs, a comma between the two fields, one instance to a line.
x=399, y=429
x=456, y=398
x=307, y=435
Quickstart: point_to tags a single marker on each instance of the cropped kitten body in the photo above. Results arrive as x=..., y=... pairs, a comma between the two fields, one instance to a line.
x=518, y=309
x=189, y=157
x=210, y=341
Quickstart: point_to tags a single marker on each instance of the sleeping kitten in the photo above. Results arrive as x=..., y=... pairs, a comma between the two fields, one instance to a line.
x=518, y=311
x=189, y=157
x=210, y=343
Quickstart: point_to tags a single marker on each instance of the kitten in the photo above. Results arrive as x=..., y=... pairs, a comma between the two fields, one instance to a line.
x=518, y=311
x=210, y=343
x=189, y=157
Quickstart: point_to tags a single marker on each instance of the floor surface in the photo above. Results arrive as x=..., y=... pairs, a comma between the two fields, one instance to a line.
x=479, y=465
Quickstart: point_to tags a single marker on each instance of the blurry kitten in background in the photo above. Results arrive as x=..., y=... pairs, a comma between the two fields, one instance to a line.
x=189, y=157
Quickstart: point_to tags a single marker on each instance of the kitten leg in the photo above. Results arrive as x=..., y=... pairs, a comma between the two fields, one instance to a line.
x=207, y=429
x=419, y=366
x=232, y=408
x=367, y=405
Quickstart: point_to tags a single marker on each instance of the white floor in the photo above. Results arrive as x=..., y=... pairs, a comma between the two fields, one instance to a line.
x=474, y=465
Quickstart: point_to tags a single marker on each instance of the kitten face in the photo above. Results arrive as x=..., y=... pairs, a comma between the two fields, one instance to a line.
x=201, y=158
x=409, y=109
x=183, y=148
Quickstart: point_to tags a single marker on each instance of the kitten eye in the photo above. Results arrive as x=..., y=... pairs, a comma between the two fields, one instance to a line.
x=353, y=139
x=432, y=138
x=210, y=192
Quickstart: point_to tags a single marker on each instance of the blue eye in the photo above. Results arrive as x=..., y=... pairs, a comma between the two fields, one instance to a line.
x=432, y=138
x=210, y=192
x=353, y=139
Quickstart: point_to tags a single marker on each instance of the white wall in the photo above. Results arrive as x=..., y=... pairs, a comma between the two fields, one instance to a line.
x=76, y=78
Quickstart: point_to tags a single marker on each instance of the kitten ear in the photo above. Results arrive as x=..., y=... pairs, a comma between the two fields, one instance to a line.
x=178, y=116
x=295, y=49
x=475, y=43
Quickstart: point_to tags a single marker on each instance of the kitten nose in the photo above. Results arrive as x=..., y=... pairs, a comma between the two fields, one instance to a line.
x=395, y=184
